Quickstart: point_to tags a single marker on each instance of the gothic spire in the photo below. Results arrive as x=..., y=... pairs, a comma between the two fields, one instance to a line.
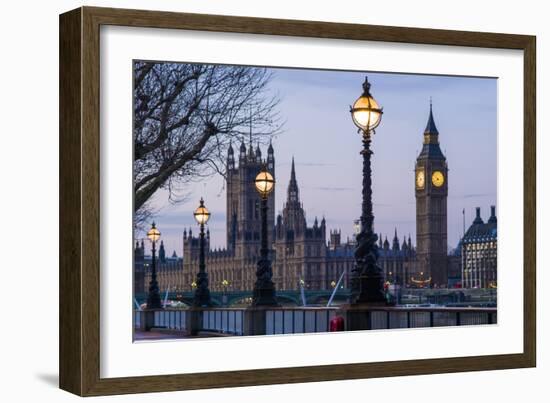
x=258, y=152
x=242, y=150
x=230, y=157
x=395, y=243
x=430, y=126
x=293, y=185
x=162, y=252
x=430, y=148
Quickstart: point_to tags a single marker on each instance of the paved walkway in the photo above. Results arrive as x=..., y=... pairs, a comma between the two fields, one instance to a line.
x=159, y=335
x=172, y=334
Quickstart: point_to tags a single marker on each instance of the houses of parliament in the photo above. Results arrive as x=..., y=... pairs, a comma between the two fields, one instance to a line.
x=310, y=254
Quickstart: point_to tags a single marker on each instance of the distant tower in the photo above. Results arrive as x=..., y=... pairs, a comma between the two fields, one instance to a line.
x=293, y=213
x=431, y=190
x=243, y=220
x=162, y=252
x=301, y=249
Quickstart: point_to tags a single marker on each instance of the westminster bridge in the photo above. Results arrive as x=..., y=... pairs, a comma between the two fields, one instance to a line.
x=409, y=296
x=241, y=298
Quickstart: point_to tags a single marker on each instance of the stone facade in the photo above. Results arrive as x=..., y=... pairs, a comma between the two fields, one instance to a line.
x=479, y=253
x=303, y=255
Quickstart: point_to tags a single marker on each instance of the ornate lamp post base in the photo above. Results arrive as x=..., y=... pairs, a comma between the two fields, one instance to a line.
x=264, y=290
x=202, y=293
x=264, y=297
x=369, y=291
x=367, y=282
x=153, y=299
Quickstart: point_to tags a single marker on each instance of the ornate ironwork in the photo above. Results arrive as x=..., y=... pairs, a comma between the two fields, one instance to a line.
x=367, y=280
x=153, y=297
x=264, y=289
x=202, y=293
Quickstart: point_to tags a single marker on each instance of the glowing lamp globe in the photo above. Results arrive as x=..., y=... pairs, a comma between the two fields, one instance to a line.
x=202, y=215
x=264, y=183
x=153, y=234
x=365, y=112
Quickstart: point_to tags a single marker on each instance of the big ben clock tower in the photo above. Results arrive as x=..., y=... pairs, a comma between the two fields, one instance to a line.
x=431, y=189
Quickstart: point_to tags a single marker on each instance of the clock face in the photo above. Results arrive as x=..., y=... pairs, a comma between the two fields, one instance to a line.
x=438, y=179
x=420, y=179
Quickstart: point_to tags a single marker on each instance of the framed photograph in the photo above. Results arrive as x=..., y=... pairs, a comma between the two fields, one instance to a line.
x=249, y=201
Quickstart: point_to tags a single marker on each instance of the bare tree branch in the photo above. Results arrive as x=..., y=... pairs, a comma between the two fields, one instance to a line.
x=185, y=115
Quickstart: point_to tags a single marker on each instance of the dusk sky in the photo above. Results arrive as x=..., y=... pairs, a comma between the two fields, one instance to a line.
x=319, y=133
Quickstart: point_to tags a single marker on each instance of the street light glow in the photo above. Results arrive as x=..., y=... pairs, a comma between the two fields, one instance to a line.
x=153, y=234
x=264, y=183
x=202, y=215
x=365, y=112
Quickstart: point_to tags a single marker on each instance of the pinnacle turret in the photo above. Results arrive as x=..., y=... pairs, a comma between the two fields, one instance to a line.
x=258, y=153
x=430, y=126
x=293, y=192
x=395, y=243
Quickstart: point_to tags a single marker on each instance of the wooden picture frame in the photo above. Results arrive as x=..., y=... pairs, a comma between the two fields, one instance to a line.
x=80, y=184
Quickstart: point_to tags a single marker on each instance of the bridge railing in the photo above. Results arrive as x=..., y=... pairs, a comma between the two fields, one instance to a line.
x=294, y=320
x=416, y=317
x=299, y=320
x=224, y=320
x=173, y=319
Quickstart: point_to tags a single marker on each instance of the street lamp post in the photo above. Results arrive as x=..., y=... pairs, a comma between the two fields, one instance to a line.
x=367, y=280
x=225, y=284
x=264, y=289
x=202, y=293
x=153, y=298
